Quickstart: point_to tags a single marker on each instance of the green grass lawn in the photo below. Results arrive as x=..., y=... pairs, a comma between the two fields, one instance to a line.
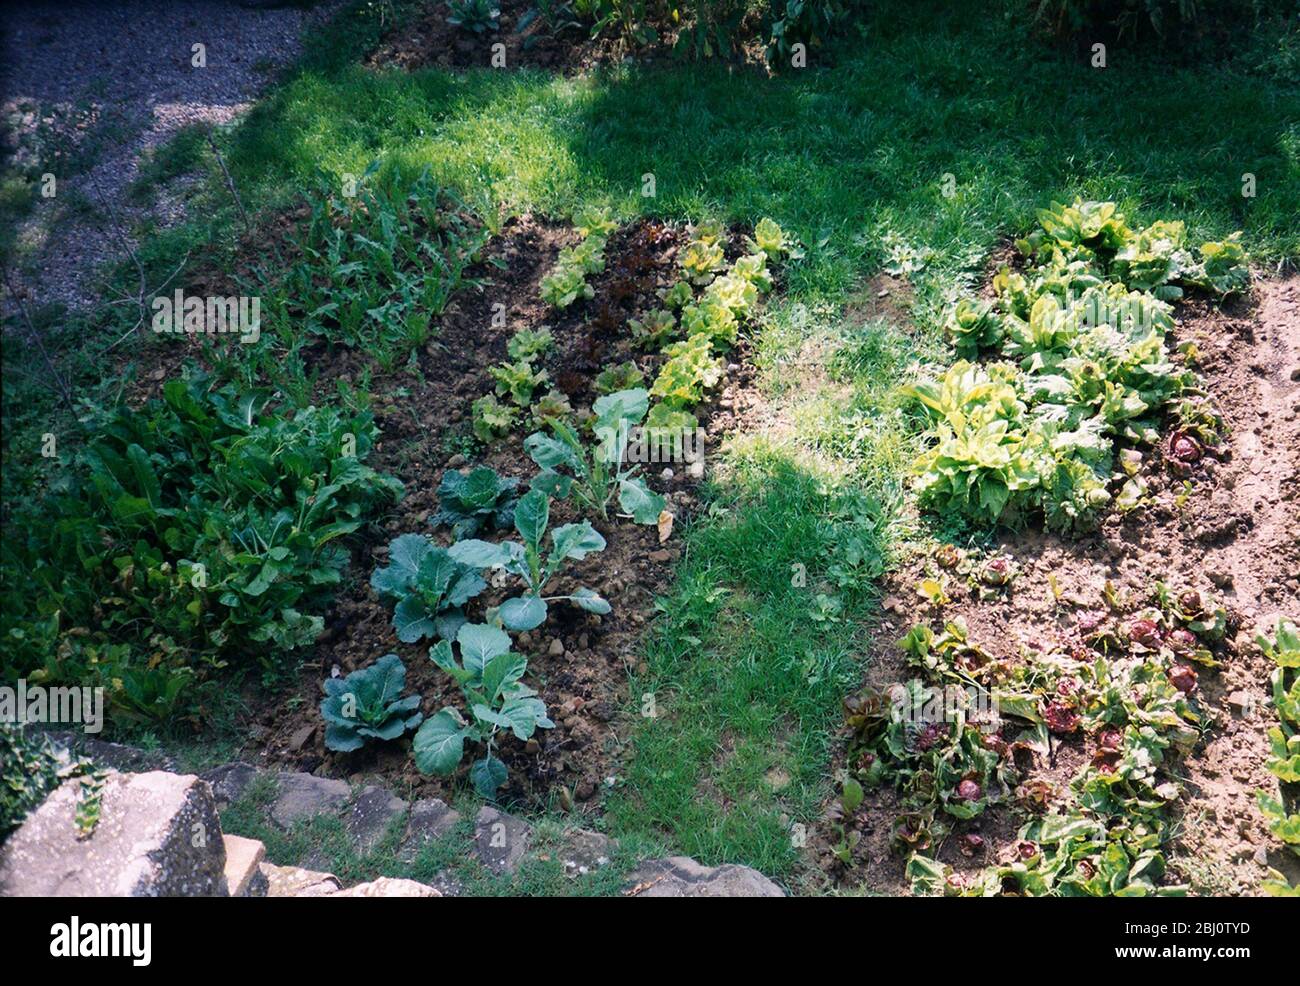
x=748, y=666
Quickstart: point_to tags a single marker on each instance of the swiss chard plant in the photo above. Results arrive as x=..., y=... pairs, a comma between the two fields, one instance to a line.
x=368, y=704
x=429, y=586
x=535, y=566
x=497, y=702
x=474, y=500
x=596, y=474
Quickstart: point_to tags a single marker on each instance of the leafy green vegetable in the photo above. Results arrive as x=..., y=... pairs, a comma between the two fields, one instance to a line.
x=518, y=380
x=1087, y=377
x=375, y=269
x=480, y=498
x=488, y=674
x=656, y=328
x=196, y=532
x=690, y=371
x=566, y=282
x=595, y=475
x=678, y=295
x=527, y=343
x=492, y=419
x=551, y=406
x=368, y=704
x=1283, y=811
x=1134, y=706
x=429, y=586
x=772, y=240
x=624, y=376
x=570, y=542
x=475, y=16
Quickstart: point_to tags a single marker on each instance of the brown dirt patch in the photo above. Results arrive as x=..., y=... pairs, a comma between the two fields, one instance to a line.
x=1234, y=534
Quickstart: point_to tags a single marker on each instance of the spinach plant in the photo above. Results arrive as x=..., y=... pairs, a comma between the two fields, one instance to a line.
x=595, y=475
x=368, y=704
x=429, y=585
x=488, y=674
x=570, y=542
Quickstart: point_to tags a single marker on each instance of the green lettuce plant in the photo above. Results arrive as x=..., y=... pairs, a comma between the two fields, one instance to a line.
x=527, y=343
x=429, y=586
x=1086, y=378
x=518, y=380
x=552, y=406
x=656, y=328
x=525, y=560
x=623, y=376
x=492, y=419
x=368, y=704
x=690, y=371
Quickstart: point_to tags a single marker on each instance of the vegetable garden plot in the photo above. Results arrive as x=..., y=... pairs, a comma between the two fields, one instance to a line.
x=1130, y=746
x=547, y=521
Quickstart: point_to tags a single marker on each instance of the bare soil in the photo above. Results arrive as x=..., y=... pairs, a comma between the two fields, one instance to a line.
x=1233, y=533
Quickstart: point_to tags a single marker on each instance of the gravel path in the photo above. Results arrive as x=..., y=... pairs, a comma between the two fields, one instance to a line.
x=116, y=78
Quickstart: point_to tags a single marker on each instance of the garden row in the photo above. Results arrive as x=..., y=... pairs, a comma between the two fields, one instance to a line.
x=1080, y=733
x=431, y=584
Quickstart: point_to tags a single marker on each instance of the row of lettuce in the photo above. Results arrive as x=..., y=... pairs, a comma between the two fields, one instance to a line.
x=1066, y=374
